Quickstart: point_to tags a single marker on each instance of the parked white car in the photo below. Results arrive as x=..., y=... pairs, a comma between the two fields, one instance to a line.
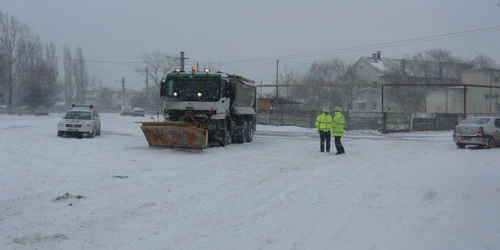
x=81, y=120
x=481, y=131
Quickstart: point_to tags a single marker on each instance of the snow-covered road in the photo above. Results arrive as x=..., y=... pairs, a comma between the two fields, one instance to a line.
x=405, y=191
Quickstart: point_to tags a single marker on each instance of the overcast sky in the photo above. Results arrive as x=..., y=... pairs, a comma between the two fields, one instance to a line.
x=231, y=30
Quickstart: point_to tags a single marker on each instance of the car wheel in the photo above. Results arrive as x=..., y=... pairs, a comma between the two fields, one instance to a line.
x=491, y=143
x=92, y=134
x=60, y=133
x=460, y=145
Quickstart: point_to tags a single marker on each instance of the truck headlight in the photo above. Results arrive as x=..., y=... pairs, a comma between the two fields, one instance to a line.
x=199, y=94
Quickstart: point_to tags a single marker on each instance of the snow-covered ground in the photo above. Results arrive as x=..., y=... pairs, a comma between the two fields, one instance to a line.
x=403, y=191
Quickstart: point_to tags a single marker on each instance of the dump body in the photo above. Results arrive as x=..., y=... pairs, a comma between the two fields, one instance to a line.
x=202, y=109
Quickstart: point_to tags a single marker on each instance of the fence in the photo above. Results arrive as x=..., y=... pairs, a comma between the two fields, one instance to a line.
x=384, y=122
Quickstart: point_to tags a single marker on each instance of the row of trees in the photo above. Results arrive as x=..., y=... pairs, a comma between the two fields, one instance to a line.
x=433, y=66
x=76, y=77
x=29, y=69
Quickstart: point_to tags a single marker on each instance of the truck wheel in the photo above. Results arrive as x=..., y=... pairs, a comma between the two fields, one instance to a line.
x=241, y=135
x=250, y=132
x=60, y=133
x=226, y=138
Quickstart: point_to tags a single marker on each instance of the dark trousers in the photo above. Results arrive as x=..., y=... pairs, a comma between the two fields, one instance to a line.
x=338, y=145
x=325, y=136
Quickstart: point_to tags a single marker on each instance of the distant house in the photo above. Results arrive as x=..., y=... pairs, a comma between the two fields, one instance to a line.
x=376, y=69
x=266, y=102
x=479, y=100
x=110, y=98
x=263, y=101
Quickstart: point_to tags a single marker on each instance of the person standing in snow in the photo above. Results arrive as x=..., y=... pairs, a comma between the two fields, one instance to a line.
x=338, y=130
x=324, y=123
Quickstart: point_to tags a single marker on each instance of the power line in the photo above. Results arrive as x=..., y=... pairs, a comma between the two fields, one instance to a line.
x=321, y=53
x=370, y=46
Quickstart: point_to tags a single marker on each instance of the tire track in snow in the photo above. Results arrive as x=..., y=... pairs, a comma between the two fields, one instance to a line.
x=337, y=206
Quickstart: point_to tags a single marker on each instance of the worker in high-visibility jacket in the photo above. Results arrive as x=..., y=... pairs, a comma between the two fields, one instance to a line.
x=324, y=123
x=338, y=130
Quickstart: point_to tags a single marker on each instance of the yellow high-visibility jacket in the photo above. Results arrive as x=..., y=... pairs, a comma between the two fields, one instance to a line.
x=338, y=124
x=324, y=122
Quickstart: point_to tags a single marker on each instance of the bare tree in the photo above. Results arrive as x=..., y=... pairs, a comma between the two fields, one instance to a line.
x=321, y=73
x=3, y=74
x=287, y=77
x=68, y=64
x=93, y=82
x=100, y=84
x=105, y=97
x=158, y=64
x=418, y=69
x=349, y=93
x=12, y=37
x=80, y=75
x=483, y=62
x=433, y=67
x=41, y=85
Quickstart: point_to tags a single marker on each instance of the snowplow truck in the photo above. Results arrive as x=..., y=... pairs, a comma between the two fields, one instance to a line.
x=204, y=109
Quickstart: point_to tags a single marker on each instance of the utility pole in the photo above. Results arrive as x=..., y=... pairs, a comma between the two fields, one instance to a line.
x=124, y=97
x=183, y=60
x=197, y=67
x=277, y=90
x=147, y=88
x=123, y=91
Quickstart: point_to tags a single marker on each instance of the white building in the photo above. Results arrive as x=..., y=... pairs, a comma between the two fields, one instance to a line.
x=376, y=69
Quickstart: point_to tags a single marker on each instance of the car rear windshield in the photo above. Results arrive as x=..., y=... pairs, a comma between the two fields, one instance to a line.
x=82, y=115
x=474, y=120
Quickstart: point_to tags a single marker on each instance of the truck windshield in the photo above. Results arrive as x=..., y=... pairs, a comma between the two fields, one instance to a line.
x=193, y=89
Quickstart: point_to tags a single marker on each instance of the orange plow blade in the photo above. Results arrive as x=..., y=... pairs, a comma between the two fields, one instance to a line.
x=175, y=135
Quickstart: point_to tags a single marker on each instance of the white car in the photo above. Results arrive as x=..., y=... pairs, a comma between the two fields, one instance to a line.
x=481, y=131
x=81, y=120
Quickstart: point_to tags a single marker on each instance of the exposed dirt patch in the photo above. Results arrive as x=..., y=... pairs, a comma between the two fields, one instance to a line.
x=120, y=176
x=67, y=196
x=38, y=238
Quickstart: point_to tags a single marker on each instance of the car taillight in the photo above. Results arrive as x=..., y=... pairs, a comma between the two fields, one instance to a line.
x=480, y=131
